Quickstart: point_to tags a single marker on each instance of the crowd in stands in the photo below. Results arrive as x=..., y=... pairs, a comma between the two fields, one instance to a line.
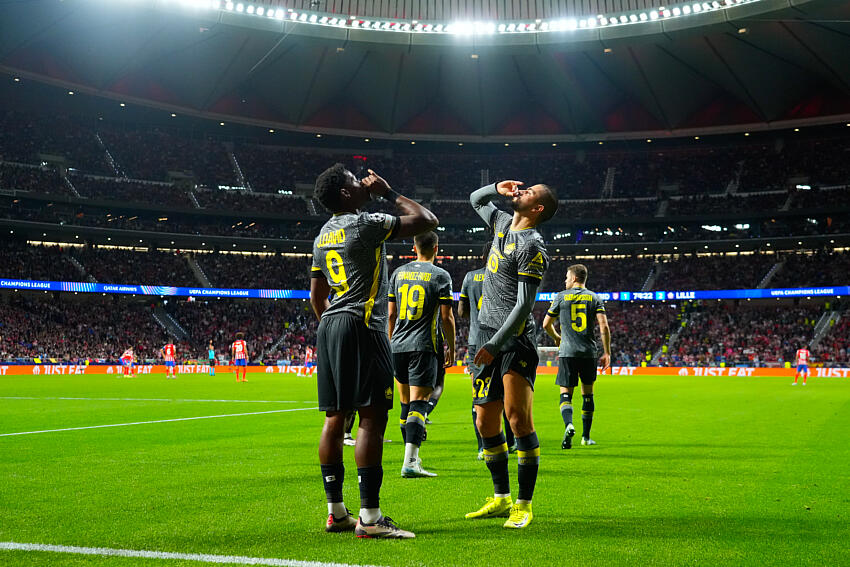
x=256, y=270
x=30, y=138
x=153, y=154
x=35, y=179
x=714, y=272
x=45, y=263
x=73, y=329
x=820, y=268
x=165, y=196
x=731, y=332
x=834, y=347
x=161, y=268
x=240, y=201
x=290, y=325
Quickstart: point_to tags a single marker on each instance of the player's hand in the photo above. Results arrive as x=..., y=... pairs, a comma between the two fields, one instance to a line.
x=376, y=184
x=605, y=362
x=450, y=359
x=483, y=357
x=508, y=188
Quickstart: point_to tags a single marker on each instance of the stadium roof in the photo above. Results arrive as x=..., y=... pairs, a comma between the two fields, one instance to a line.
x=761, y=65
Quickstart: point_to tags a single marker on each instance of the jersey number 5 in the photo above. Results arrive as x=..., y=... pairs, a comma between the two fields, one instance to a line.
x=578, y=314
x=336, y=270
x=412, y=302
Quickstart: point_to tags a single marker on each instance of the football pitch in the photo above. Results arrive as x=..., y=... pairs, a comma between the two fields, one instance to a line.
x=736, y=471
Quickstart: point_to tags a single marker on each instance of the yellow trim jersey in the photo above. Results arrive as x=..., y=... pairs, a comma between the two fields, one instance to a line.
x=576, y=309
x=350, y=253
x=515, y=255
x=418, y=289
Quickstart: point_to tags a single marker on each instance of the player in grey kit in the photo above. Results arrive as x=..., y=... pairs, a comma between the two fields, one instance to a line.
x=508, y=354
x=579, y=311
x=468, y=306
x=354, y=364
x=420, y=315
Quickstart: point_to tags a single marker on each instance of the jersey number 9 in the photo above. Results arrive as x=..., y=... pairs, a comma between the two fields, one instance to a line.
x=336, y=270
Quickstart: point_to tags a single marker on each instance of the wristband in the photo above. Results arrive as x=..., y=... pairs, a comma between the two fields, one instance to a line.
x=391, y=196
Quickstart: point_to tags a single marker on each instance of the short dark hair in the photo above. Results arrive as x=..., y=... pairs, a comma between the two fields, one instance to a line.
x=426, y=242
x=580, y=271
x=240, y=335
x=328, y=185
x=549, y=200
x=485, y=251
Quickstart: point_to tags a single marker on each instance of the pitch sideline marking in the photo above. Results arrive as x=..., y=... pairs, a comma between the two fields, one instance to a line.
x=155, y=421
x=200, y=557
x=152, y=400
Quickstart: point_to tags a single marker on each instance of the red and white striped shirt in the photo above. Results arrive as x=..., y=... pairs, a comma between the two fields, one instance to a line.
x=239, y=349
x=168, y=352
x=803, y=356
x=128, y=354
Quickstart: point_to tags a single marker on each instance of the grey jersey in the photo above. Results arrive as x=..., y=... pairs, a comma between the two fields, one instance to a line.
x=515, y=255
x=350, y=253
x=418, y=289
x=471, y=291
x=577, y=309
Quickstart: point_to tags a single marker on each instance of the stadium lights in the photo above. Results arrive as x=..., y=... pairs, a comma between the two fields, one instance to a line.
x=464, y=27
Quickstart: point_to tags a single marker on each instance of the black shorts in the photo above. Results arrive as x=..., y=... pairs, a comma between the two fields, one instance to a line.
x=354, y=365
x=572, y=368
x=417, y=368
x=212, y=362
x=471, y=351
x=518, y=354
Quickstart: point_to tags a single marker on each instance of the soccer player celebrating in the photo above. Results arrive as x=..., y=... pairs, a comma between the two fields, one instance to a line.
x=239, y=354
x=211, y=355
x=354, y=362
x=127, y=360
x=507, y=356
x=802, y=360
x=420, y=304
x=580, y=310
x=168, y=353
x=468, y=307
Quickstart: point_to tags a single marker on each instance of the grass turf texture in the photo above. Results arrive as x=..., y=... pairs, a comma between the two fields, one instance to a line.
x=687, y=471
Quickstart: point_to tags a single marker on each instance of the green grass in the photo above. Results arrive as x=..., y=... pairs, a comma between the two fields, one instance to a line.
x=687, y=471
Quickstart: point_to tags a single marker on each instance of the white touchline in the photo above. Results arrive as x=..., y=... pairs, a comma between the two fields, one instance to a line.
x=154, y=400
x=155, y=421
x=200, y=557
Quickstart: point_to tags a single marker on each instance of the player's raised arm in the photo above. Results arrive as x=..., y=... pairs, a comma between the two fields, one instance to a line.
x=413, y=218
x=481, y=199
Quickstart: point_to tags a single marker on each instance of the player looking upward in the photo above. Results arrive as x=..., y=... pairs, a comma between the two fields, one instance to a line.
x=211, y=356
x=168, y=353
x=802, y=362
x=354, y=361
x=127, y=360
x=579, y=311
x=420, y=318
x=239, y=354
x=468, y=307
x=507, y=357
